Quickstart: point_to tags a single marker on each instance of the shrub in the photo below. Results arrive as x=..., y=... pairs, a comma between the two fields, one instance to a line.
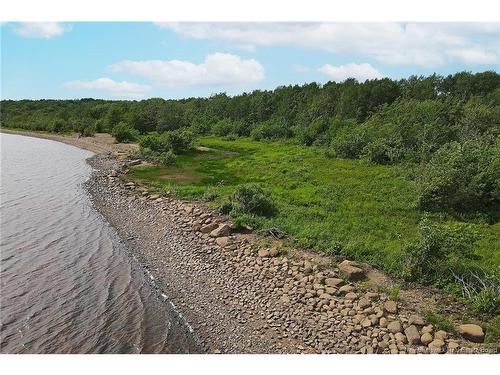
x=179, y=141
x=167, y=158
x=156, y=143
x=348, y=143
x=487, y=302
x=438, y=254
x=86, y=128
x=124, y=133
x=227, y=127
x=383, y=151
x=251, y=199
x=462, y=178
x=58, y=126
x=271, y=129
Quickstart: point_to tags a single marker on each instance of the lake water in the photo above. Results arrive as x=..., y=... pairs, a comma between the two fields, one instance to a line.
x=68, y=285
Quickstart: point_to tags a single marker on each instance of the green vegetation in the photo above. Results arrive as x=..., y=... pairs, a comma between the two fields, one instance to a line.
x=394, y=295
x=440, y=322
x=403, y=174
x=124, y=133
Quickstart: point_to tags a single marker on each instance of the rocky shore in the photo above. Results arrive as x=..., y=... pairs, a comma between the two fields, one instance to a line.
x=241, y=296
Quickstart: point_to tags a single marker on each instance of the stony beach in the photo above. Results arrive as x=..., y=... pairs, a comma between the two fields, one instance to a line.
x=242, y=297
x=245, y=294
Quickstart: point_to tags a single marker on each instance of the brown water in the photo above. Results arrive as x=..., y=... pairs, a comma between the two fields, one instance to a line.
x=68, y=285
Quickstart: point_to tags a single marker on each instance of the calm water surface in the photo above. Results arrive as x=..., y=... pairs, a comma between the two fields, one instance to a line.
x=67, y=283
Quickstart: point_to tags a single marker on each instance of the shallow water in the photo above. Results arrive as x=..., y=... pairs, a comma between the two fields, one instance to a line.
x=68, y=285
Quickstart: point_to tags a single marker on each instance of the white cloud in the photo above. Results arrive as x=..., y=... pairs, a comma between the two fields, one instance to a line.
x=116, y=89
x=423, y=44
x=44, y=30
x=361, y=72
x=216, y=69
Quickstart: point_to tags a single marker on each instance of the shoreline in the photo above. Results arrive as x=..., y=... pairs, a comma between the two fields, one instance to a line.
x=239, y=300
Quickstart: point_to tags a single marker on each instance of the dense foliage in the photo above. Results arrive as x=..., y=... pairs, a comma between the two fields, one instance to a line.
x=442, y=131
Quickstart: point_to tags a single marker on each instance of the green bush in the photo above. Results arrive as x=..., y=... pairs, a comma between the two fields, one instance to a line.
x=58, y=126
x=462, y=178
x=179, y=141
x=438, y=254
x=86, y=128
x=348, y=143
x=271, y=129
x=124, y=133
x=167, y=158
x=156, y=143
x=487, y=302
x=251, y=199
x=383, y=151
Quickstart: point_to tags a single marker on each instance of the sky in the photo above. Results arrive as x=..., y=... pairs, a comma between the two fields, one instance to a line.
x=138, y=60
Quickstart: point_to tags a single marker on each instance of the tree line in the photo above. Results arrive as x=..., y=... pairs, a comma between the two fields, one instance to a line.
x=448, y=126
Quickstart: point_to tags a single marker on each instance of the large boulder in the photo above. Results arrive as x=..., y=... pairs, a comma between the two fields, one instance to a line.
x=221, y=231
x=208, y=228
x=351, y=271
x=412, y=335
x=391, y=307
x=471, y=332
x=395, y=326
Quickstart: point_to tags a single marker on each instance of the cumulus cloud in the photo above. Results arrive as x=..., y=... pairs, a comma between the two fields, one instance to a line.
x=122, y=89
x=216, y=69
x=45, y=30
x=361, y=72
x=423, y=44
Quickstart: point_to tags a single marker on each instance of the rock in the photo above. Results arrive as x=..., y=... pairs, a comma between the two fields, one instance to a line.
x=372, y=296
x=208, y=228
x=400, y=337
x=453, y=345
x=416, y=320
x=113, y=173
x=308, y=268
x=332, y=281
x=412, y=335
x=154, y=196
x=471, y=332
x=426, y=338
x=428, y=329
x=391, y=307
x=263, y=253
x=383, y=322
x=346, y=289
x=441, y=335
x=284, y=298
x=364, y=303
x=437, y=343
x=223, y=241
x=134, y=162
x=350, y=271
x=274, y=252
x=351, y=296
x=395, y=326
x=366, y=323
x=221, y=231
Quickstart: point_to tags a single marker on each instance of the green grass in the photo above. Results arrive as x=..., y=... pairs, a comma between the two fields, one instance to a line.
x=347, y=207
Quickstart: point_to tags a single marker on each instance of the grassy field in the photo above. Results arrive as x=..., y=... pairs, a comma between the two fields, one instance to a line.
x=342, y=207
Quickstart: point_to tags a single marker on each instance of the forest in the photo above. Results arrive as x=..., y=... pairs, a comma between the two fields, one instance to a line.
x=422, y=153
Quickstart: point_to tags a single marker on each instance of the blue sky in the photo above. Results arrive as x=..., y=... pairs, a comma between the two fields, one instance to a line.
x=118, y=60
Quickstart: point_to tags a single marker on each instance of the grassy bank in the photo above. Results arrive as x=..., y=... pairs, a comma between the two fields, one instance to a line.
x=342, y=207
